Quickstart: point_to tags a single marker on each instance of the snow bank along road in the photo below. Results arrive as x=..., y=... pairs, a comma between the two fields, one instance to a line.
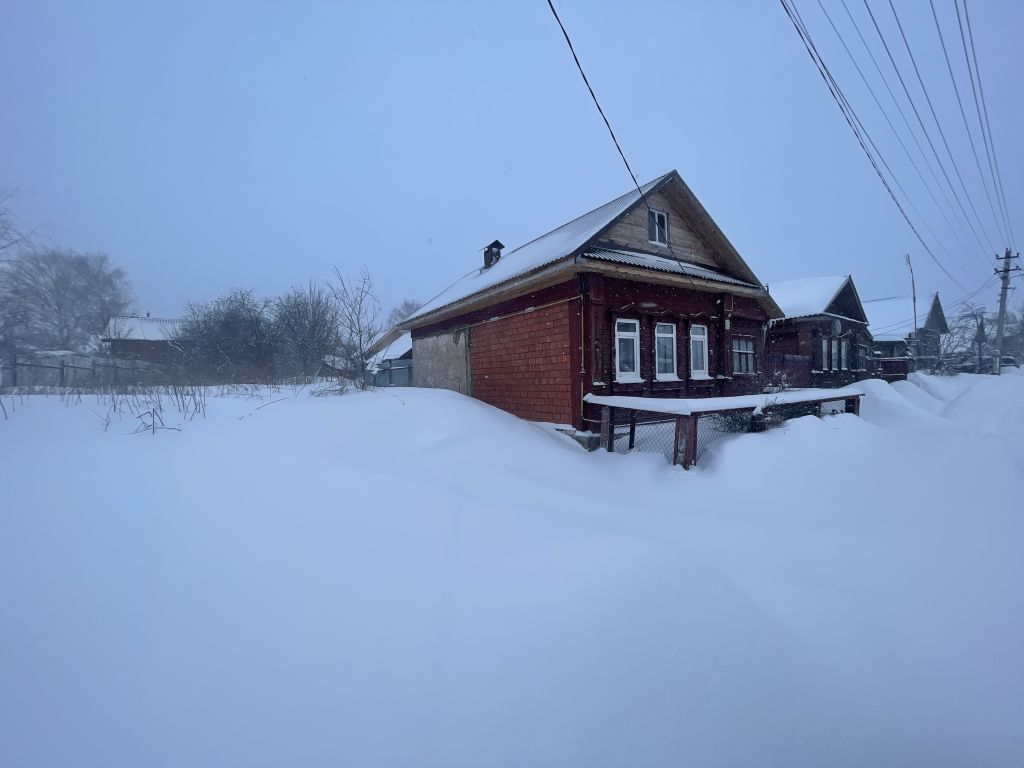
x=412, y=578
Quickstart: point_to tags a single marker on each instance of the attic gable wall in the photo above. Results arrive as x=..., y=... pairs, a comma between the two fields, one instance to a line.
x=847, y=304
x=630, y=232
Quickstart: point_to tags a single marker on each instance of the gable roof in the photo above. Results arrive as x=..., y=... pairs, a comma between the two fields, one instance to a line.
x=136, y=328
x=808, y=295
x=936, y=317
x=572, y=237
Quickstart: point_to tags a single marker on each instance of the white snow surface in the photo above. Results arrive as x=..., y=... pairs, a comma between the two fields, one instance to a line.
x=682, y=406
x=546, y=249
x=806, y=296
x=139, y=328
x=413, y=578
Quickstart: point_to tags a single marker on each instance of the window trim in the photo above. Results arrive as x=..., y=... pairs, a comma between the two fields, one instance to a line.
x=835, y=354
x=705, y=372
x=634, y=335
x=752, y=352
x=672, y=375
x=844, y=354
x=655, y=213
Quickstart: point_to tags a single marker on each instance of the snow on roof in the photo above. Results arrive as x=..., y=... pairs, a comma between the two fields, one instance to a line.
x=136, y=328
x=806, y=296
x=555, y=245
x=892, y=319
x=397, y=348
x=662, y=264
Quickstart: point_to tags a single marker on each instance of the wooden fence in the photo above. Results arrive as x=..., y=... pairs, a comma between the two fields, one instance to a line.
x=78, y=371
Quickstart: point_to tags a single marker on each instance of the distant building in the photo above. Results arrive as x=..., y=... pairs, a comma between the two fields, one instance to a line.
x=823, y=341
x=138, y=337
x=390, y=361
x=902, y=342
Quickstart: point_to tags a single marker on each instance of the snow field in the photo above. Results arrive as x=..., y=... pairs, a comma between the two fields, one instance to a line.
x=410, y=577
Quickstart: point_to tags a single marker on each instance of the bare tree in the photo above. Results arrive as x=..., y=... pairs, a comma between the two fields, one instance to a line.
x=60, y=299
x=12, y=238
x=359, y=323
x=229, y=339
x=402, y=311
x=963, y=331
x=306, y=328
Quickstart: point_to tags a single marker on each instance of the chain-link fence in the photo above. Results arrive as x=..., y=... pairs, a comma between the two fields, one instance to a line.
x=685, y=438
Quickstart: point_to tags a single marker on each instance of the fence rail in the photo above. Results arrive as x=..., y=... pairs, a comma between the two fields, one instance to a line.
x=683, y=429
x=77, y=371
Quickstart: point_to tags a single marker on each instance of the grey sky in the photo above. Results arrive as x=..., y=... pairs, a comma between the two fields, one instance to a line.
x=212, y=145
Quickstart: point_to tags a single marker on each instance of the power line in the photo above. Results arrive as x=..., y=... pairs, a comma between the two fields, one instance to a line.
x=938, y=124
x=899, y=139
x=608, y=125
x=991, y=140
x=967, y=127
x=917, y=143
x=890, y=327
x=924, y=129
x=851, y=121
x=981, y=120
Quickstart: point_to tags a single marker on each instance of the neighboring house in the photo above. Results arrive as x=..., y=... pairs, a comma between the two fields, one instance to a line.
x=823, y=341
x=390, y=359
x=135, y=337
x=642, y=296
x=897, y=334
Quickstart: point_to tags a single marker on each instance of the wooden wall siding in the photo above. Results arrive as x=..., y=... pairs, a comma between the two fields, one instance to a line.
x=610, y=298
x=802, y=336
x=522, y=363
x=847, y=305
x=630, y=231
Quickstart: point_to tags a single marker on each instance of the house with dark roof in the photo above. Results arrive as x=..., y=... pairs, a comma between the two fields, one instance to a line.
x=389, y=359
x=141, y=337
x=903, y=340
x=823, y=340
x=642, y=296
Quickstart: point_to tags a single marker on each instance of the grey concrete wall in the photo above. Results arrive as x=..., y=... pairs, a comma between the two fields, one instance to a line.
x=442, y=361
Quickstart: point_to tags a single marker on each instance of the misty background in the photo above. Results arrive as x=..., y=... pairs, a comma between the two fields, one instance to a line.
x=208, y=146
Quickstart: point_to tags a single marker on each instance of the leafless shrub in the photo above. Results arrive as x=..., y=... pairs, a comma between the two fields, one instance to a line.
x=359, y=323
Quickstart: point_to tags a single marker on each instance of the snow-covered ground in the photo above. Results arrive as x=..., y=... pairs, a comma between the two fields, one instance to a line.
x=412, y=578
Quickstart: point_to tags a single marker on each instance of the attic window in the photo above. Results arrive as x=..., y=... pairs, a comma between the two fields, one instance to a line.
x=657, y=227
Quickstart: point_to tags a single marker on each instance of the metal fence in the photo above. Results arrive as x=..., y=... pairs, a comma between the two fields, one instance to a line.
x=78, y=371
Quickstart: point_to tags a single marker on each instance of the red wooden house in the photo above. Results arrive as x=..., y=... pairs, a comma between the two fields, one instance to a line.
x=642, y=296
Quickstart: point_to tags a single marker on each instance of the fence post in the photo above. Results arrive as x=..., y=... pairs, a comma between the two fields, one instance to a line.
x=94, y=379
x=678, y=440
x=605, y=426
x=611, y=429
x=62, y=374
x=632, y=429
x=690, y=444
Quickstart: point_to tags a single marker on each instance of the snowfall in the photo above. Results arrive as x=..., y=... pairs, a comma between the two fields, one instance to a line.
x=413, y=578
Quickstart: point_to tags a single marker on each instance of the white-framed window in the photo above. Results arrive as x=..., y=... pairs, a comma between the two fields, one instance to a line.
x=742, y=355
x=665, y=351
x=699, y=351
x=657, y=227
x=824, y=354
x=844, y=353
x=627, y=350
x=835, y=355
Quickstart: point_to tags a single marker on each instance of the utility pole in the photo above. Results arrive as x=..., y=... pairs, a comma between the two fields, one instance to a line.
x=913, y=299
x=1001, y=322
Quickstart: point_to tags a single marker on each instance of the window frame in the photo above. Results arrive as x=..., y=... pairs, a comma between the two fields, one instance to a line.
x=703, y=339
x=634, y=336
x=672, y=375
x=652, y=217
x=844, y=354
x=750, y=355
x=835, y=353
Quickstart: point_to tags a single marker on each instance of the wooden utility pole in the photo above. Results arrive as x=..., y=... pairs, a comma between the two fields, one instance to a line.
x=913, y=300
x=1001, y=322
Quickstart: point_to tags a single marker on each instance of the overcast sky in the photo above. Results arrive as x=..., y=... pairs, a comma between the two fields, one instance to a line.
x=213, y=145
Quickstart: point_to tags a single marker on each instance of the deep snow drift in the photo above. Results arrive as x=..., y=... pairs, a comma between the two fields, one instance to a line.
x=410, y=577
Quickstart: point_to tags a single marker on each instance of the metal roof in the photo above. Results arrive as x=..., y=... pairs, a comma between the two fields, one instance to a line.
x=662, y=264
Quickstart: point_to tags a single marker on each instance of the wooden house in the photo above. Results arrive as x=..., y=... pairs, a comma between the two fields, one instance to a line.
x=138, y=337
x=823, y=340
x=389, y=362
x=901, y=342
x=642, y=296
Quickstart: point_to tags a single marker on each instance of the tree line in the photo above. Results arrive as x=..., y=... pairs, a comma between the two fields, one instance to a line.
x=58, y=299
